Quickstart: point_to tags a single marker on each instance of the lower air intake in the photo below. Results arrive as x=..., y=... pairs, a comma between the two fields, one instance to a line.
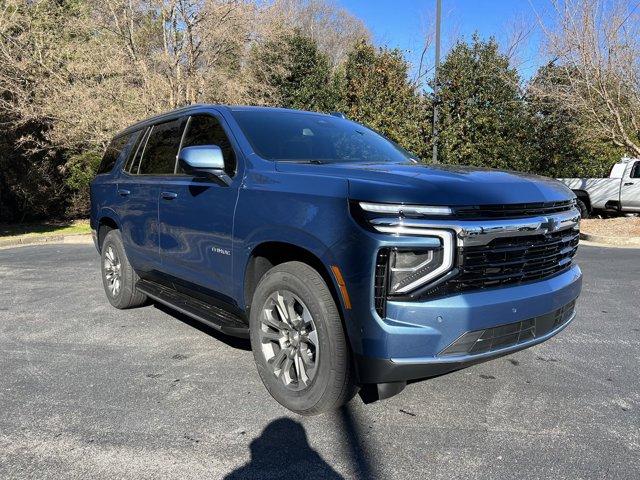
x=503, y=336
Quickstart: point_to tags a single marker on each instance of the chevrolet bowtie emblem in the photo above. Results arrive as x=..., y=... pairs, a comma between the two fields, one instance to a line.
x=550, y=224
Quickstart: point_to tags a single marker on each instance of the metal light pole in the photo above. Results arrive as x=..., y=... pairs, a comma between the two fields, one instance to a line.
x=436, y=87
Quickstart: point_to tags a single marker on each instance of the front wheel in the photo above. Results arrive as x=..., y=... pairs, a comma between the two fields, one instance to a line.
x=298, y=342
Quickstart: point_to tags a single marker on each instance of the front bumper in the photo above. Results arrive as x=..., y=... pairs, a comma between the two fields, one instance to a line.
x=408, y=344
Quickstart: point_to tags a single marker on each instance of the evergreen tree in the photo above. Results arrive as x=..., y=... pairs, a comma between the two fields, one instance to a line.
x=559, y=148
x=483, y=119
x=377, y=93
x=293, y=73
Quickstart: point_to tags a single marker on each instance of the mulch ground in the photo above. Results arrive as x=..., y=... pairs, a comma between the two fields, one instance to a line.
x=612, y=227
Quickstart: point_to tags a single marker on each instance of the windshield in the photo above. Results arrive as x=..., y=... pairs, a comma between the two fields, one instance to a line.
x=301, y=137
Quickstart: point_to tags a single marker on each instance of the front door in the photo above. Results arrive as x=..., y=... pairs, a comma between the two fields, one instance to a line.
x=630, y=188
x=196, y=216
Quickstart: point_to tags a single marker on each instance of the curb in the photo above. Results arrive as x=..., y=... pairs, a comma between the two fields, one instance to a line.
x=20, y=241
x=631, y=242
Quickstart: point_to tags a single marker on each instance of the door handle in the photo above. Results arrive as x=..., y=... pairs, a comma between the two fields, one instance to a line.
x=123, y=193
x=628, y=183
x=169, y=195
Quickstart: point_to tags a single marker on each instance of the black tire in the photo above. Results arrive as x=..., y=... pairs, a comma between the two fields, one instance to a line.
x=584, y=211
x=333, y=383
x=126, y=296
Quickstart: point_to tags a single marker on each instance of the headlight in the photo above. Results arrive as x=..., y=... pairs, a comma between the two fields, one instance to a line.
x=410, y=268
x=403, y=269
x=399, y=209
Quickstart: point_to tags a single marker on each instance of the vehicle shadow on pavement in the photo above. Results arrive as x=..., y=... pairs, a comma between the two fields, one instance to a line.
x=235, y=342
x=282, y=450
x=356, y=446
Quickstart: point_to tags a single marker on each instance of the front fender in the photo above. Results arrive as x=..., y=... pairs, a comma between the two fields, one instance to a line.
x=310, y=213
x=283, y=235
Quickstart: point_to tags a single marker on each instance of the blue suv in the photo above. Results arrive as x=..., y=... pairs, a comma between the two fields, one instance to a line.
x=348, y=264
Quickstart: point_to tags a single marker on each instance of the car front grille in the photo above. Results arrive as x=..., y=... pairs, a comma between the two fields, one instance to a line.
x=511, y=334
x=489, y=253
x=516, y=210
x=508, y=261
x=513, y=260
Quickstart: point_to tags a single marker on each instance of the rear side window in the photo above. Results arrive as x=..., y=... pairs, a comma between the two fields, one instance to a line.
x=635, y=172
x=136, y=153
x=159, y=156
x=118, y=148
x=206, y=130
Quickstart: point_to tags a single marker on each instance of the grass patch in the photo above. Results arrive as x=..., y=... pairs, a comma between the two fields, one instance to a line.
x=75, y=227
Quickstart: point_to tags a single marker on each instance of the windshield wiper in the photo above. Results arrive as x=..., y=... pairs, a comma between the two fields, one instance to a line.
x=315, y=161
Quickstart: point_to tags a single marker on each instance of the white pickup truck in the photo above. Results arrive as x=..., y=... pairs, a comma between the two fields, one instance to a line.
x=620, y=192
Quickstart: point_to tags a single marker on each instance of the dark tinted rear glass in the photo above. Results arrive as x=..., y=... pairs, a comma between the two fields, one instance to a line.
x=118, y=148
x=135, y=155
x=206, y=130
x=159, y=156
x=293, y=136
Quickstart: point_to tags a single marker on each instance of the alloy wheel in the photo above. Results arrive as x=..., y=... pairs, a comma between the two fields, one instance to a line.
x=112, y=271
x=289, y=340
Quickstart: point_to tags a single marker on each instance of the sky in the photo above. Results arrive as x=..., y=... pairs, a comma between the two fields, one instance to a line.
x=403, y=24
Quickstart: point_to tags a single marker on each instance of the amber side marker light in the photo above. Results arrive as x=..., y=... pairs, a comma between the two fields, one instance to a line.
x=342, y=285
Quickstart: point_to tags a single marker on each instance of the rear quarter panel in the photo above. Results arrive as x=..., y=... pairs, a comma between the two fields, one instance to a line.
x=102, y=193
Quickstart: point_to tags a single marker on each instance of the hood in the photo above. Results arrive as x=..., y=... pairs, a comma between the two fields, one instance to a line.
x=436, y=185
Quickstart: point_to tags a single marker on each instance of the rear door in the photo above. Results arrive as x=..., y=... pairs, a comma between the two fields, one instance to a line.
x=196, y=216
x=139, y=187
x=630, y=188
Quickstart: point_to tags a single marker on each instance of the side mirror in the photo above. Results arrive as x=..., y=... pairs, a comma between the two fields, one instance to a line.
x=203, y=161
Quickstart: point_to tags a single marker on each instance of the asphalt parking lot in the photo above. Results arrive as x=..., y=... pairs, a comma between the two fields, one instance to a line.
x=92, y=392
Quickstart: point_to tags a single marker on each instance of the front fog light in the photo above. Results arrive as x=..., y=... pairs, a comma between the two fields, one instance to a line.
x=411, y=268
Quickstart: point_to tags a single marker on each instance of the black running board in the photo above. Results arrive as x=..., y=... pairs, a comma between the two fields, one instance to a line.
x=210, y=315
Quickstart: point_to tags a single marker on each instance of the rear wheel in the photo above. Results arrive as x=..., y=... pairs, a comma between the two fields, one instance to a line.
x=118, y=277
x=298, y=342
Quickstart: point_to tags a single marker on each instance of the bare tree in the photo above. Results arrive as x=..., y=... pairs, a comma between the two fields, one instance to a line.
x=334, y=29
x=88, y=69
x=424, y=68
x=518, y=33
x=597, y=43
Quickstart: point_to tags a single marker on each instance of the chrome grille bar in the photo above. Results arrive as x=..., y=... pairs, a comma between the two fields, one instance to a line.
x=480, y=232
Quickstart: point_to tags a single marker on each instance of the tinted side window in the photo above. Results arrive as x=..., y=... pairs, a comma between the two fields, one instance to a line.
x=159, y=156
x=119, y=147
x=133, y=162
x=635, y=173
x=206, y=130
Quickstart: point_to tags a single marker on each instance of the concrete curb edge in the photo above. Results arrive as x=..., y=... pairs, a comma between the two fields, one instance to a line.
x=630, y=242
x=23, y=240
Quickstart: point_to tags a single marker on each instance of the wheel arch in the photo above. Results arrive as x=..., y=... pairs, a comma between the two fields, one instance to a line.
x=106, y=222
x=268, y=254
x=584, y=196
